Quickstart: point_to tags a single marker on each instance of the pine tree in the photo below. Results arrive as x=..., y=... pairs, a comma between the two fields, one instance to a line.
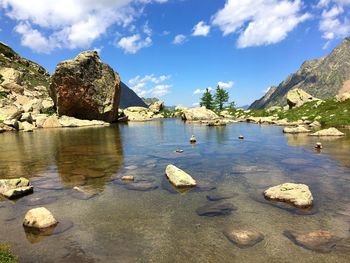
x=221, y=97
x=207, y=100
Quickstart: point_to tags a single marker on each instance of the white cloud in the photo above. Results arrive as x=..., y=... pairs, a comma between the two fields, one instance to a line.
x=132, y=44
x=150, y=85
x=261, y=22
x=196, y=104
x=69, y=23
x=335, y=22
x=201, y=29
x=201, y=91
x=226, y=85
x=179, y=39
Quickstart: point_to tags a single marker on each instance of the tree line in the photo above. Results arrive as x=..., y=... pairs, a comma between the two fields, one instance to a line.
x=216, y=101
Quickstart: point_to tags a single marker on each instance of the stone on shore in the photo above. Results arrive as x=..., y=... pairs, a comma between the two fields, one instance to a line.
x=199, y=114
x=15, y=188
x=320, y=240
x=298, y=97
x=243, y=238
x=157, y=106
x=295, y=130
x=86, y=88
x=39, y=218
x=178, y=177
x=328, y=132
x=298, y=195
x=70, y=122
x=138, y=114
x=51, y=122
x=343, y=97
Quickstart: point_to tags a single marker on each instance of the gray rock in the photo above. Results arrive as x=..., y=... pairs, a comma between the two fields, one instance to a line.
x=216, y=209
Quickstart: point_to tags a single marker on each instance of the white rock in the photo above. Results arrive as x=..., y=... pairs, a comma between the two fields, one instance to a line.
x=178, y=177
x=39, y=218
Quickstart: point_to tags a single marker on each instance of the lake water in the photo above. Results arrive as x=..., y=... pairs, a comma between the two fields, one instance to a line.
x=120, y=224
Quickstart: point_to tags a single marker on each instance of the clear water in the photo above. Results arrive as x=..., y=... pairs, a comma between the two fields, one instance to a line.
x=122, y=225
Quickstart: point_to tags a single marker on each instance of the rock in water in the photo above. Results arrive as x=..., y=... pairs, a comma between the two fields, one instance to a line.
x=39, y=218
x=86, y=88
x=320, y=240
x=294, y=130
x=243, y=238
x=178, y=177
x=15, y=188
x=298, y=195
x=199, y=114
x=328, y=132
x=216, y=209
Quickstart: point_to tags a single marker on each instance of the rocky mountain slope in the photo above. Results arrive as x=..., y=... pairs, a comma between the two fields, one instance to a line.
x=128, y=98
x=322, y=78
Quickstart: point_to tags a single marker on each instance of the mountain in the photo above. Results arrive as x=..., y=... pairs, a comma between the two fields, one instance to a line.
x=322, y=78
x=15, y=69
x=150, y=101
x=129, y=98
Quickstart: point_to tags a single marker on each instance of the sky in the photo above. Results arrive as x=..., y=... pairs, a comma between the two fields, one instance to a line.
x=175, y=49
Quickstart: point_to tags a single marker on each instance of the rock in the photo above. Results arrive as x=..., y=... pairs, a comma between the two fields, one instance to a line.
x=12, y=123
x=86, y=88
x=157, y=106
x=179, y=151
x=295, y=130
x=47, y=103
x=216, y=209
x=13, y=87
x=128, y=178
x=199, y=114
x=298, y=97
x=72, y=122
x=10, y=112
x=51, y=122
x=328, y=132
x=27, y=117
x=10, y=75
x=193, y=139
x=141, y=186
x=241, y=137
x=315, y=124
x=216, y=123
x=298, y=195
x=5, y=128
x=39, y=120
x=243, y=238
x=39, y=218
x=138, y=114
x=26, y=126
x=15, y=188
x=220, y=196
x=320, y=240
x=178, y=177
x=82, y=193
x=343, y=97
x=180, y=108
x=318, y=145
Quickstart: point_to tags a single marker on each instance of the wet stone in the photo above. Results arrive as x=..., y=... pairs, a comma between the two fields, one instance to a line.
x=204, y=186
x=319, y=241
x=217, y=209
x=141, y=186
x=82, y=194
x=220, y=196
x=243, y=238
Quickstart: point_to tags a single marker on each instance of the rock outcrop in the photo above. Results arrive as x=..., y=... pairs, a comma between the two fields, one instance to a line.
x=138, y=114
x=298, y=195
x=39, y=218
x=86, y=88
x=178, y=177
x=343, y=97
x=15, y=188
x=295, y=130
x=298, y=97
x=199, y=114
x=157, y=106
x=328, y=132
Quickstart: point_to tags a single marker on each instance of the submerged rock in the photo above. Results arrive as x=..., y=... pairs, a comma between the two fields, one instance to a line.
x=82, y=193
x=178, y=177
x=243, y=238
x=86, y=88
x=216, y=209
x=294, y=130
x=39, y=218
x=220, y=196
x=328, y=132
x=15, y=188
x=298, y=195
x=141, y=186
x=320, y=240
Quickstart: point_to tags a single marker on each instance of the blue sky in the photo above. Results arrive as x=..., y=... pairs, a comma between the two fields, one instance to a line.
x=174, y=49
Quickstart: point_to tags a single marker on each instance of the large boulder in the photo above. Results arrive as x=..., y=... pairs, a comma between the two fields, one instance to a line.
x=178, y=177
x=343, y=97
x=14, y=188
x=39, y=218
x=199, y=114
x=298, y=97
x=328, y=132
x=298, y=195
x=157, y=106
x=138, y=114
x=86, y=88
x=294, y=130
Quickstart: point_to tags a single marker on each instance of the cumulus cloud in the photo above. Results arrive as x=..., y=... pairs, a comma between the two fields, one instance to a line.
x=222, y=84
x=201, y=29
x=150, y=85
x=260, y=22
x=132, y=44
x=335, y=21
x=179, y=39
x=69, y=23
x=201, y=91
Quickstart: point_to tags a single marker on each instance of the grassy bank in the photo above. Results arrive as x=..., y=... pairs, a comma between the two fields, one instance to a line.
x=6, y=255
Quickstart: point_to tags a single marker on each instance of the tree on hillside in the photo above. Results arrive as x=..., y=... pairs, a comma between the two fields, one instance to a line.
x=221, y=97
x=207, y=100
x=232, y=105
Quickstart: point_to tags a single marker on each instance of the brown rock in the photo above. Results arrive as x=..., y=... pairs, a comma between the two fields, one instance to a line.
x=243, y=238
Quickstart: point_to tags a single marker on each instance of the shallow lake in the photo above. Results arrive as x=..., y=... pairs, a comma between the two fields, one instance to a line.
x=120, y=223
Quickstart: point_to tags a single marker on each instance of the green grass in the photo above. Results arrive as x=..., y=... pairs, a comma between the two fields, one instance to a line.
x=3, y=94
x=169, y=113
x=6, y=255
x=49, y=111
